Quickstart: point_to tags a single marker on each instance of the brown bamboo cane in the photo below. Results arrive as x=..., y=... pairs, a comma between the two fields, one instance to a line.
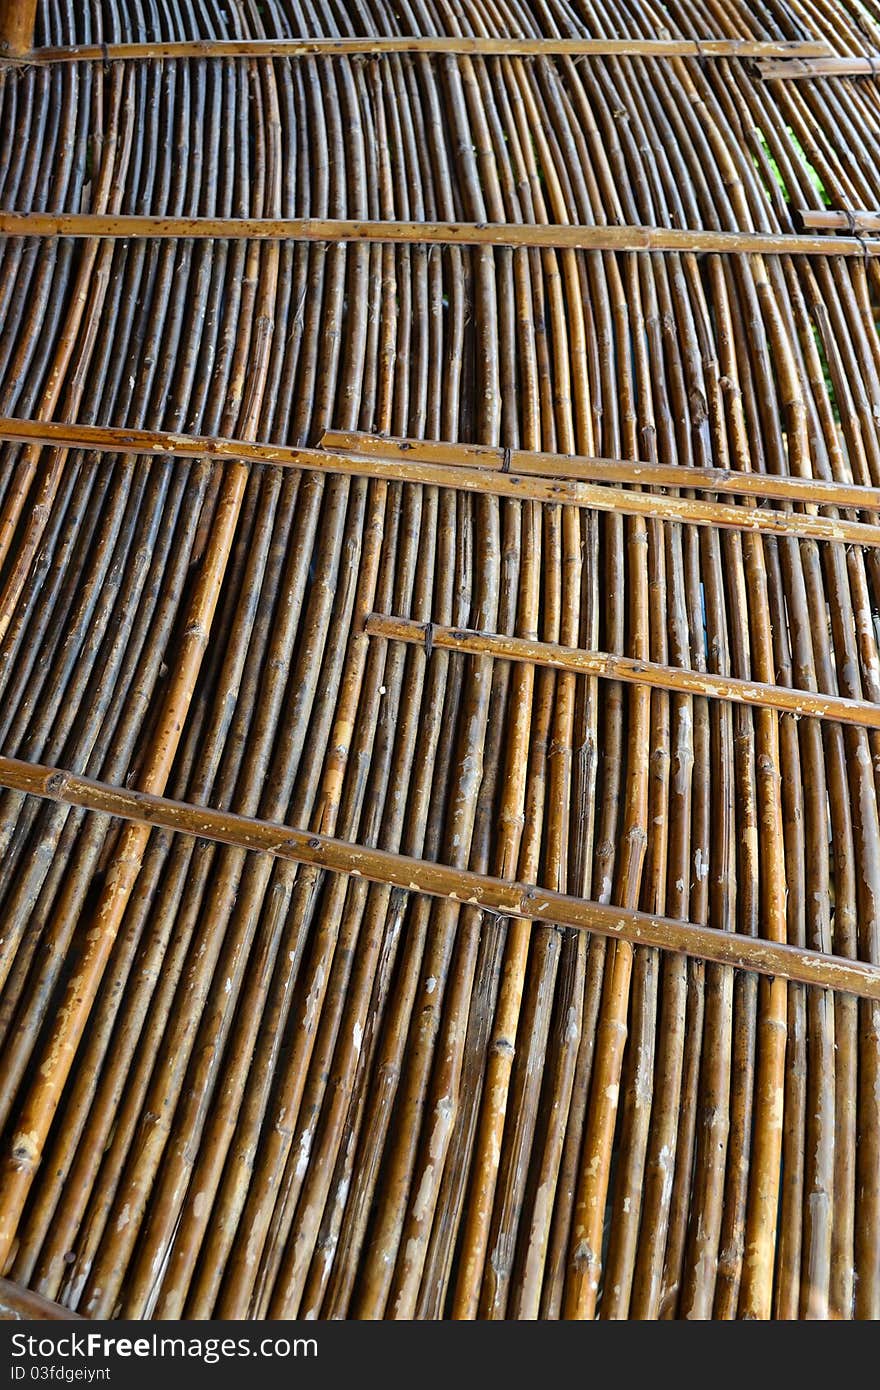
x=333, y=230
x=460, y=45
x=259, y=308
x=531, y=1138
x=521, y=828
x=121, y=747
x=449, y=951
x=606, y=1055
x=41, y=1102
x=719, y=847
x=521, y=1137
x=857, y=221
x=252, y=334
x=90, y=291
x=774, y=959
x=840, y=349
x=522, y=463
x=455, y=689
x=496, y=482
x=757, y=694
x=530, y=463
x=83, y=377
x=452, y=948
x=24, y=1155
x=18, y=20
x=244, y=1263
x=860, y=360
x=806, y=894
x=21, y=1305
x=801, y=69
x=780, y=805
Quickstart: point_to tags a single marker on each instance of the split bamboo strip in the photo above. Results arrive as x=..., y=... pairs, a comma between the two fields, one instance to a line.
x=404, y=467
x=479, y=46
x=503, y=896
x=856, y=221
x=598, y=470
x=801, y=69
x=861, y=713
x=620, y=238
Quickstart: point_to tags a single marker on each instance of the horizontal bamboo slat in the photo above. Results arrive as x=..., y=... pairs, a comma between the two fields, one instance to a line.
x=494, y=482
x=530, y=902
x=21, y=1305
x=641, y=239
x=861, y=713
x=459, y=45
x=802, y=69
x=827, y=219
x=819, y=491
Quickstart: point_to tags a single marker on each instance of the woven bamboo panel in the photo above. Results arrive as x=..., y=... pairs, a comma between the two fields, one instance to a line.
x=439, y=674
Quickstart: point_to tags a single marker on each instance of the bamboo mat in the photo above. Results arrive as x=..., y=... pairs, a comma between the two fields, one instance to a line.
x=439, y=674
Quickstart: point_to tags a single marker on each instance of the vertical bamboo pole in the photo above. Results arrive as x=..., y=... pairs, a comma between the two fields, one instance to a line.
x=18, y=19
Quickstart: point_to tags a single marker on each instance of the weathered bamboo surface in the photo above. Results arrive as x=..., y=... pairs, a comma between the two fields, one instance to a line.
x=864, y=713
x=473, y=44
x=798, y=69
x=496, y=895
x=385, y=617
x=554, y=237
x=858, y=221
x=533, y=484
x=21, y=1305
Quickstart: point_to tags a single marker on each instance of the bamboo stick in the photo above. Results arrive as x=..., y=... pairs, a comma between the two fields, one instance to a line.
x=40, y=1103
x=421, y=876
x=340, y=230
x=650, y=474
x=477, y=46
x=857, y=221
x=18, y=20
x=498, y=482
x=758, y=694
x=21, y=1305
x=801, y=69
